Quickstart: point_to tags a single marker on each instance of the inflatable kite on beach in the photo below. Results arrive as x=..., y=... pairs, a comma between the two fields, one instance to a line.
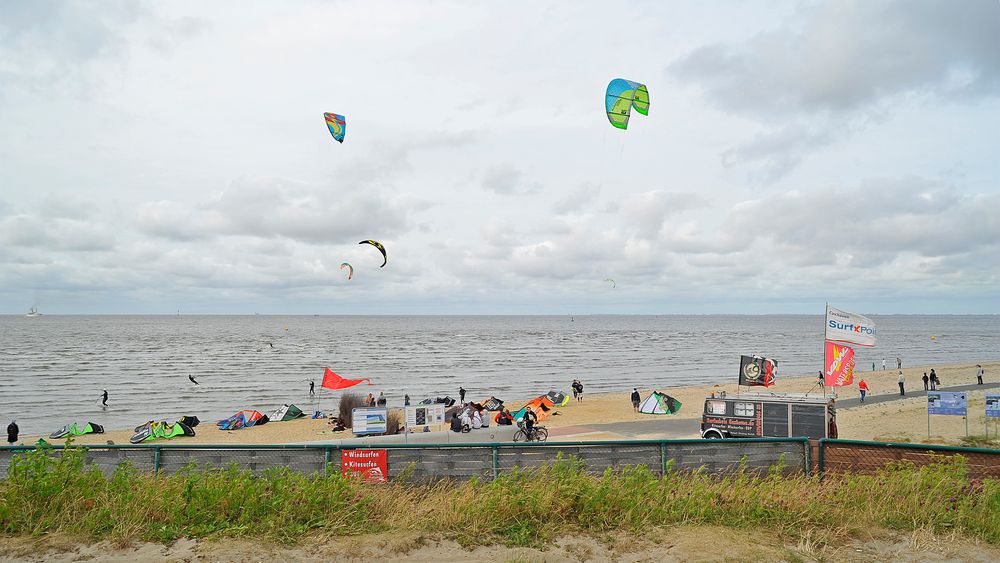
x=623, y=95
x=380, y=248
x=337, y=125
x=73, y=430
x=350, y=269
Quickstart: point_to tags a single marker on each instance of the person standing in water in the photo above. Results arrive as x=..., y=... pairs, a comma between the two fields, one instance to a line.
x=312, y=387
x=104, y=398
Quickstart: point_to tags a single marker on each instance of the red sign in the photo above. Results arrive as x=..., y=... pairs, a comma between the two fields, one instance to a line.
x=371, y=466
x=839, y=365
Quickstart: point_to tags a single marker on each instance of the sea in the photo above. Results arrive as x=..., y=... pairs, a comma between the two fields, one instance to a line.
x=53, y=368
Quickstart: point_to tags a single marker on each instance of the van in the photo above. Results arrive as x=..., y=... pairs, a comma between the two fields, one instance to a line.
x=774, y=415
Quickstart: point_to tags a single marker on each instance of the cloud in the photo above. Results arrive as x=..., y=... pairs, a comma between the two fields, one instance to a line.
x=577, y=199
x=845, y=56
x=773, y=154
x=506, y=179
x=279, y=208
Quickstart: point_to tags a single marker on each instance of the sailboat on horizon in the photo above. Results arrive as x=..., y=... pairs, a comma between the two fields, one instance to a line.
x=33, y=312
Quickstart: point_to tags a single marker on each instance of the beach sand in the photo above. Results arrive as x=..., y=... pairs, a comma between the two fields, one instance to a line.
x=897, y=420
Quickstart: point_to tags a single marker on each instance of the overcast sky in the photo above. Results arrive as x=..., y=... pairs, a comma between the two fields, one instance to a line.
x=167, y=156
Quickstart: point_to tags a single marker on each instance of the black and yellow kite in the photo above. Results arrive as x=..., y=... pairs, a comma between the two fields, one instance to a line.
x=380, y=248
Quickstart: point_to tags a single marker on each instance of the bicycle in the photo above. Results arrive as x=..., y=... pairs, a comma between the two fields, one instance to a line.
x=538, y=433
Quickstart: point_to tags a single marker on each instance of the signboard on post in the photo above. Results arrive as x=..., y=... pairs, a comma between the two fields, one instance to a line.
x=992, y=406
x=371, y=466
x=369, y=420
x=423, y=415
x=940, y=402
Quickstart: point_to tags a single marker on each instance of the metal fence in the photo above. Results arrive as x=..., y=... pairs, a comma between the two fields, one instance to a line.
x=853, y=456
x=459, y=461
x=424, y=462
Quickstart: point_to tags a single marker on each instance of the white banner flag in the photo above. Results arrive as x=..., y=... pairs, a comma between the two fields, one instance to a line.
x=842, y=326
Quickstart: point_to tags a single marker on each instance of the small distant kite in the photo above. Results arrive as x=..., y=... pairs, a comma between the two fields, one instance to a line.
x=612, y=282
x=350, y=269
x=621, y=97
x=380, y=248
x=337, y=125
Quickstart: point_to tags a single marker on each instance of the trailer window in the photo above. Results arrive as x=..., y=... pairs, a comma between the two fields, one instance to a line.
x=716, y=407
x=744, y=409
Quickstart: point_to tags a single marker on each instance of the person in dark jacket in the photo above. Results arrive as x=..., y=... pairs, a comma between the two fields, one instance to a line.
x=12, y=431
x=461, y=395
x=635, y=399
x=504, y=418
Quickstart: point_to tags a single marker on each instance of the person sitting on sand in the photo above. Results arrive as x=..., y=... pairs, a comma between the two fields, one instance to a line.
x=504, y=418
x=456, y=423
x=485, y=415
x=466, y=421
x=477, y=420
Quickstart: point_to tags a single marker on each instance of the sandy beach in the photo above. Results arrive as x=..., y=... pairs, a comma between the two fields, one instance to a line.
x=897, y=420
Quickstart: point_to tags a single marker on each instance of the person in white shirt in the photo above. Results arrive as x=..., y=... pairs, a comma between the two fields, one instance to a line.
x=477, y=420
x=902, y=391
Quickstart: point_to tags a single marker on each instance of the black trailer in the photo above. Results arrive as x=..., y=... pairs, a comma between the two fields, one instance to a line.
x=768, y=415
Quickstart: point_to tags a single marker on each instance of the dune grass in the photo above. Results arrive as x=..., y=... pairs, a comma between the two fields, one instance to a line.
x=46, y=493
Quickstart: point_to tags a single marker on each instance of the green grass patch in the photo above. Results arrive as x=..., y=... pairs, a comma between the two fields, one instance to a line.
x=51, y=493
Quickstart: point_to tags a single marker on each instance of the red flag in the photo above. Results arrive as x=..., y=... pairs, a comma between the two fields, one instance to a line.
x=334, y=381
x=839, y=365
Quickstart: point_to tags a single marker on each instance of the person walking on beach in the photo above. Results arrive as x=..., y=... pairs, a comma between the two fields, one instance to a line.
x=104, y=398
x=902, y=391
x=12, y=431
x=573, y=387
x=863, y=388
x=461, y=394
x=873, y=366
x=191, y=379
x=578, y=389
x=406, y=400
x=883, y=364
x=935, y=381
x=926, y=379
x=899, y=362
x=312, y=387
x=979, y=374
x=635, y=399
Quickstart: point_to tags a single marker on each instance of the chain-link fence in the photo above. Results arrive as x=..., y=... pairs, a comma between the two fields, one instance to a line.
x=438, y=461
x=851, y=456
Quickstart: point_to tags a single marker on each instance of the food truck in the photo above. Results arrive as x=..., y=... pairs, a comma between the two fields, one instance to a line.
x=770, y=415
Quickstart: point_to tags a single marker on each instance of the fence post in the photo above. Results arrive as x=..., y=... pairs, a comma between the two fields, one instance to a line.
x=496, y=461
x=822, y=450
x=156, y=461
x=663, y=459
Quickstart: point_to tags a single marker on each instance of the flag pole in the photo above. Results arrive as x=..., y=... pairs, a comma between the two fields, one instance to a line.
x=826, y=314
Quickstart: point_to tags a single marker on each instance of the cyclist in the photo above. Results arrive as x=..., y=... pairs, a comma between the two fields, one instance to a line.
x=530, y=418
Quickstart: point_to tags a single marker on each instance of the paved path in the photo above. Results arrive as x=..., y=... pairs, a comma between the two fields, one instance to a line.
x=886, y=397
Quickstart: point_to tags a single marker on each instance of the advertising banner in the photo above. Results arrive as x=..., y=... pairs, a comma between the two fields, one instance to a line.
x=839, y=365
x=842, y=326
x=940, y=402
x=755, y=370
x=371, y=466
x=993, y=406
x=369, y=420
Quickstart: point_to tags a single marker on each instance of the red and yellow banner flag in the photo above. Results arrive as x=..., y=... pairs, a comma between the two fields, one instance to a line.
x=839, y=365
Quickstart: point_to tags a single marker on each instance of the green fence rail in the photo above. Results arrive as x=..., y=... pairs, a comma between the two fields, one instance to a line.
x=486, y=460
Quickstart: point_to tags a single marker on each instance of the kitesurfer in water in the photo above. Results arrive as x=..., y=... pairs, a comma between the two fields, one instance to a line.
x=104, y=398
x=312, y=387
x=191, y=379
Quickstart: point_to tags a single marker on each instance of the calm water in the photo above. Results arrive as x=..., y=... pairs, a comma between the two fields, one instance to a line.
x=53, y=368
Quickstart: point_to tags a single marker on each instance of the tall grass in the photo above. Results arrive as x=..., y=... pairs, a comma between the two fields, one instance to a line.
x=345, y=410
x=44, y=493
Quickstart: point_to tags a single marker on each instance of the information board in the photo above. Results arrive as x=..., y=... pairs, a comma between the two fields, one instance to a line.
x=424, y=415
x=993, y=406
x=369, y=420
x=941, y=402
x=371, y=466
